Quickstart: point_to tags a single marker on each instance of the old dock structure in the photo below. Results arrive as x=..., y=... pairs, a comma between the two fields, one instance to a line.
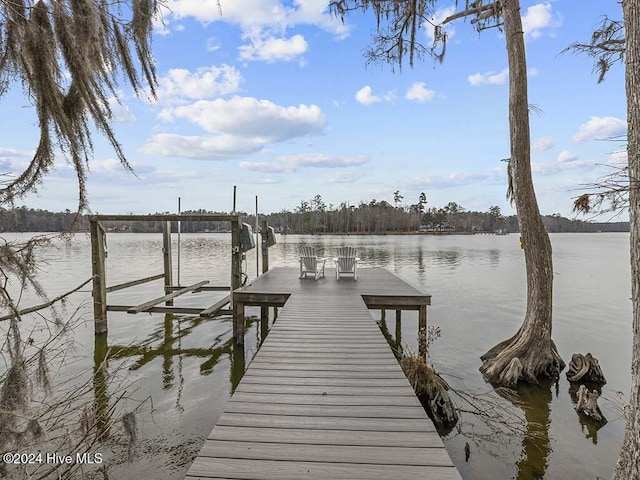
x=171, y=291
x=324, y=397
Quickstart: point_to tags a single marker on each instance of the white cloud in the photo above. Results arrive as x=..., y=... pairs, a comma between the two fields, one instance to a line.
x=119, y=111
x=600, y=127
x=206, y=82
x=345, y=177
x=420, y=92
x=291, y=163
x=250, y=117
x=365, y=96
x=272, y=15
x=438, y=17
x=537, y=18
x=207, y=147
x=10, y=152
x=321, y=160
x=274, y=49
x=489, y=78
x=490, y=176
x=542, y=143
x=212, y=44
x=566, y=156
x=238, y=126
x=619, y=159
x=267, y=167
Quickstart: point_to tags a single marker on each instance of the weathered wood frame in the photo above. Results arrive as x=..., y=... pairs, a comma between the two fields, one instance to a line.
x=100, y=289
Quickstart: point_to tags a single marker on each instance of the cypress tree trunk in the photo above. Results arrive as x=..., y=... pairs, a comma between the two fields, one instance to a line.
x=530, y=352
x=628, y=466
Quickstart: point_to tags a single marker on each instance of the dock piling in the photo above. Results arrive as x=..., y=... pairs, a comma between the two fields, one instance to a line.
x=166, y=255
x=99, y=281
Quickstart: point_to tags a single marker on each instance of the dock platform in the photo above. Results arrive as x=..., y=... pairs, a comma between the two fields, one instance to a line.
x=324, y=397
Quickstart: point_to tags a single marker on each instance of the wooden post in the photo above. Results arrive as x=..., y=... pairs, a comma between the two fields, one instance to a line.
x=238, y=365
x=383, y=315
x=99, y=281
x=398, y=333
x=166, y=254
x=265, y=247
x=236, y=281
x=238, y=322
x=398, y=315
x=422, y=331
x=264, y=323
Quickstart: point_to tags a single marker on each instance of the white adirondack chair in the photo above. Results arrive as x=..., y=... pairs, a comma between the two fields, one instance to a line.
x=346, y=262
x=310, y=263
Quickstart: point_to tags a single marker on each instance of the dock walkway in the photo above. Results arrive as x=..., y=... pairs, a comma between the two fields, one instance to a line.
x=325, y=398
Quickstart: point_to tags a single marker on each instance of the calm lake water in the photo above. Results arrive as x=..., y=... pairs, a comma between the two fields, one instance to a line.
x=187, y=366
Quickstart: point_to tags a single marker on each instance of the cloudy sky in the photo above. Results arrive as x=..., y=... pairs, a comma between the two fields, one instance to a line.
x=275, y=96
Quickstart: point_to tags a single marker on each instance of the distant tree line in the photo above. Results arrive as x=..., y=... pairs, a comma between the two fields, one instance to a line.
x=315, y=217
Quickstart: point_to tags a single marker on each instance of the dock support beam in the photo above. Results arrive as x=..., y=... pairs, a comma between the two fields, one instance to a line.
x=166, y=255
x=99, y=281
x=236, y=281
x=422, y=331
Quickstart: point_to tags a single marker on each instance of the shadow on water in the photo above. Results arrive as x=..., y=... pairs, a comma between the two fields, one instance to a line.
x=535, y=401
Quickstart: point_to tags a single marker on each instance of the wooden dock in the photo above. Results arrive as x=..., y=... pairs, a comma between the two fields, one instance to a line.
x=325, y=398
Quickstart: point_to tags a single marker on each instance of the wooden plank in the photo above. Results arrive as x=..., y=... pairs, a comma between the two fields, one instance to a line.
x=300, y=355
x=216, y=306
x=321, y=360
x=388, y=374
x=329, y=382
x=204, y=288
x=253, y=419
x=146, y=305
x=326, y=437
x=325, y=367
x=399, y=391
x=133, y=283
x=236, y=468
x=327, y=453
x=364, y=411
x=325, y=398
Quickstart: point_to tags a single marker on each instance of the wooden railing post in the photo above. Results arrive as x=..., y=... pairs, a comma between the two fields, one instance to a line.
x=265, y=247
x=166, y=255
x=99, y=281
x=236, y=281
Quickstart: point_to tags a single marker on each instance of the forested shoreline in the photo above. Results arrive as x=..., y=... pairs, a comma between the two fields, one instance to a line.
x=374, y=217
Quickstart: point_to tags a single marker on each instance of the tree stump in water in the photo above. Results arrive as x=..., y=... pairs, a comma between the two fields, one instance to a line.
x=585, y=368
x=588, y=404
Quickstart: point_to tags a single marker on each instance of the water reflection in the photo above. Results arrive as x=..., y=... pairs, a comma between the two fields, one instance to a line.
x=588, y=425
x=100, y=387
x=535, y=401
x=450, y=258
x=494, y=257
x=170, y=336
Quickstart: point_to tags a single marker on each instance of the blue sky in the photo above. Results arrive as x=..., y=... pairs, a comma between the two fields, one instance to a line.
x=274, y=96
